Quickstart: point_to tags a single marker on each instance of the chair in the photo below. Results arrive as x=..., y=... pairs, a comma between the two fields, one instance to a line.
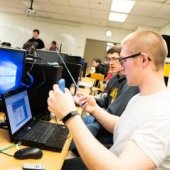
x=166, y=72
x=98, y=86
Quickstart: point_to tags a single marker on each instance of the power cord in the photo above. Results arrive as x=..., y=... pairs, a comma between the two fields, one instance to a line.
x=8, y=147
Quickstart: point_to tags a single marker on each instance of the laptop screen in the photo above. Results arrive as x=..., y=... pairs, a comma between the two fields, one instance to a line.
x=18, y=110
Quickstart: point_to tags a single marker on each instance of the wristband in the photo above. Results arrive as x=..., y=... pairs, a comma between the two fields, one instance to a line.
x=69, y=115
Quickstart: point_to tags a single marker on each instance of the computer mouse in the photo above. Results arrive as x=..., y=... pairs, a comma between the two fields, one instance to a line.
x=28, y=153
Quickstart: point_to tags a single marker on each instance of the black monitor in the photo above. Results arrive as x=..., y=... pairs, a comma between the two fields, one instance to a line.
x=48, y=57
x=73, y=59
x=167, y=40
x=75, y=70
x=11, y=68
x=44, y=78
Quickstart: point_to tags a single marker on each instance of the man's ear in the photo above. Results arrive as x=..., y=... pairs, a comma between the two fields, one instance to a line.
x=145, y=59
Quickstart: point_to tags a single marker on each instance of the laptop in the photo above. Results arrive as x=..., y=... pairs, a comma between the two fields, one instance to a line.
x=28, y=130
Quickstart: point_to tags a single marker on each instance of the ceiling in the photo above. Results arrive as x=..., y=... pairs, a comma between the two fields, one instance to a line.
x=145, y=13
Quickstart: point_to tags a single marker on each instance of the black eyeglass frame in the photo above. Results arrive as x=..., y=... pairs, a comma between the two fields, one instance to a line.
x=122, y=60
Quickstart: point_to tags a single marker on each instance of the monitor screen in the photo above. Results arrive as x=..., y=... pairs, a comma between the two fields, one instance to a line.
x=11, y=68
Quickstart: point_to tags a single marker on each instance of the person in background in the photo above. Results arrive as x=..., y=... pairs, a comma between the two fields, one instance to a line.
x=5, y=44
x=53, y=46
x=27, y=46
x=141, y=133
x=109, y=75
x=37, y=43
x=99, y=67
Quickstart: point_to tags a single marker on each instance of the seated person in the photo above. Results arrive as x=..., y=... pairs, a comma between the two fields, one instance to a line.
x=109, y=75
x=6, y=44
x=141, y=140
x=98, y=67
x=53, y=46
x=116, y=96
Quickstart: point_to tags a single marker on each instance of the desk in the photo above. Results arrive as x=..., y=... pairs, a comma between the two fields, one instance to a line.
x=85, y=85
x=51, y=160
x=87, y=82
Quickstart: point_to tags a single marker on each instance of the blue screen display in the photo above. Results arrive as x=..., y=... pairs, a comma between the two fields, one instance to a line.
x=11, y=69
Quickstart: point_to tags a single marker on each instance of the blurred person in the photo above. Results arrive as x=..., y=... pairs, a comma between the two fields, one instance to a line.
x=6, y=44
x=53, y=46
x=37, y=43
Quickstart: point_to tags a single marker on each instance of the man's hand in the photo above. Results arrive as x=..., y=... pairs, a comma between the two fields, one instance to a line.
x=88, y=103
x=60, y=103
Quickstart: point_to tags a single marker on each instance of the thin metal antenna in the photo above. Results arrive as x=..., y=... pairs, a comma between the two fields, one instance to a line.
x=67, y=69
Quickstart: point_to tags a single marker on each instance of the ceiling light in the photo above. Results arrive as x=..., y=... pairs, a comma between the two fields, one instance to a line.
x=113, y=16
x=108, y=33
x=122, y=5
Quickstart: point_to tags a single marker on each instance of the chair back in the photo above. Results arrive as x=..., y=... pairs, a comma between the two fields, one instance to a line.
x=97, y=76
x=98, y=85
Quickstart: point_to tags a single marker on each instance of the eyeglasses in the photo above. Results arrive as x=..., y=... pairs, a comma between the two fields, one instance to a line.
x=122, y=60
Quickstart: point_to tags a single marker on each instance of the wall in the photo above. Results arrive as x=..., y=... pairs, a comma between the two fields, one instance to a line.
x=165, y=30
x=17, y=29
x=94, y=49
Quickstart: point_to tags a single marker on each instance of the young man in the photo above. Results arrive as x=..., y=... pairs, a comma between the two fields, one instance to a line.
x=141, y=134
x=36, y=41
x=118, y=94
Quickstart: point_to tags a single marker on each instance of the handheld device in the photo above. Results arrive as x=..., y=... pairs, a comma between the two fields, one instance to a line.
x=30, y=166
x=61, y=84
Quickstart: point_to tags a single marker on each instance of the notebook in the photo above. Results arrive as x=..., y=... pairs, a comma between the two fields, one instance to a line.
x=28, y=130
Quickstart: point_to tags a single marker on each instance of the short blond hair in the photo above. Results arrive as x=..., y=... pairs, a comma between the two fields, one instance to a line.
x=149, y=42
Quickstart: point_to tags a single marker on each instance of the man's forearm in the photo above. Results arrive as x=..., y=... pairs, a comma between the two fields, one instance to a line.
x=107, y=120
x=94, y=155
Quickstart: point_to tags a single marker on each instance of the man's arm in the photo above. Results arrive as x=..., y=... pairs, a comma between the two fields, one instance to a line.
x=95, y=155
x=107, y=120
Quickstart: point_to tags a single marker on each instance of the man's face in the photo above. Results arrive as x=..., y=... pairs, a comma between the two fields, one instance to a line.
x=94, y=63
x=131, y=65
x=53, y=45
x=114, y=64
x=35, y=35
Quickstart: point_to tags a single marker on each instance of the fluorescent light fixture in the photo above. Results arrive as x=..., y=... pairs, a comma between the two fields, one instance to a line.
x=124, y=6
x=108, y=33
x=119, y=17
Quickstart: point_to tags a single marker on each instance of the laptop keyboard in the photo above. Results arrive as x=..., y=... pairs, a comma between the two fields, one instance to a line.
x=40, y=132
x=45, y=135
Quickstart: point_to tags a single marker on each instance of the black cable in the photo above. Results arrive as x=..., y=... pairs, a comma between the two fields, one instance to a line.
x=6, y=153
x=8, y=147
